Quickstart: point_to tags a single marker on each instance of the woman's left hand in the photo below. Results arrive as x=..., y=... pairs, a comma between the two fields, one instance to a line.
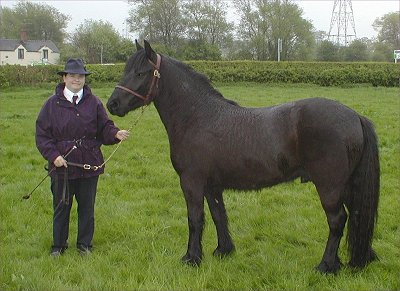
x=122, y=134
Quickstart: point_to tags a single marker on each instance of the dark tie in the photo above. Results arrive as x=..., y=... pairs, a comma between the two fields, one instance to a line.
x=74, y=98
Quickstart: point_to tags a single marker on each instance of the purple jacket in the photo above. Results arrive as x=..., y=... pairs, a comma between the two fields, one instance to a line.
x=60, y=124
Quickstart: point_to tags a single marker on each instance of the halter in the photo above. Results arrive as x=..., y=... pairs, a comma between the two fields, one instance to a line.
x=154, y=83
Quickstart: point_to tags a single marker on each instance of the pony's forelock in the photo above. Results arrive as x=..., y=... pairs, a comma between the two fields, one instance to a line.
x=140, y=54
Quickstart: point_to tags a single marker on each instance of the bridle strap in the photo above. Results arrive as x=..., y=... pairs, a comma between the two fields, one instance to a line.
x=131, y=92
x=153, y=86
x=154, y=82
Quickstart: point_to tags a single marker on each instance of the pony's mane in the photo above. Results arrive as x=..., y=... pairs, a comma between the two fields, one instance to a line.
x=200, y=79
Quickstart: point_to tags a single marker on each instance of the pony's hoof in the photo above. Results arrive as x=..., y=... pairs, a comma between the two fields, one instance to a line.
x=194, y=261
x=324, y=268
x=359, y=264
x=373, y=256
x=223, y=252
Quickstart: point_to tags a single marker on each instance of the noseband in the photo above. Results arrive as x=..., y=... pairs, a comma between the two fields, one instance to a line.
x=154, y=83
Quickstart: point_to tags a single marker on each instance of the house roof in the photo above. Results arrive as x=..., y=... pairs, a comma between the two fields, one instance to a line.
x=29, y=45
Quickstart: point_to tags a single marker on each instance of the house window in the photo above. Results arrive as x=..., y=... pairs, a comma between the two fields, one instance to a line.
x=46, y=54
x=21, y=54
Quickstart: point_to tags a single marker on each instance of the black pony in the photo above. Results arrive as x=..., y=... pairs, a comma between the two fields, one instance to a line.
x=215, y=144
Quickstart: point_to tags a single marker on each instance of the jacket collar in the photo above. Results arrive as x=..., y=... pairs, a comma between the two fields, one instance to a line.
x=60, y=91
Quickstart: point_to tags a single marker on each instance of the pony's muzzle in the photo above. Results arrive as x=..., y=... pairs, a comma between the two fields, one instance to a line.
x=112, y=106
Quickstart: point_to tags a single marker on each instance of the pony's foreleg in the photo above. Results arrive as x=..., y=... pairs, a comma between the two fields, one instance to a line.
x=336, y=216
x=217, y=208
x=194, y=197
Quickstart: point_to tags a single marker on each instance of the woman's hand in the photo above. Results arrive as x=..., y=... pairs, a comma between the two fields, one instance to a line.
x=60, y=162
x=122, y=134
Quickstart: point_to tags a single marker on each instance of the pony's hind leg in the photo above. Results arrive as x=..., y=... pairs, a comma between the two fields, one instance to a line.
x=336, y=216
x=217, y=208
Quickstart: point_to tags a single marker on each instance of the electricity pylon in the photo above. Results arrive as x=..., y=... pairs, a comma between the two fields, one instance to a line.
x=342, y=30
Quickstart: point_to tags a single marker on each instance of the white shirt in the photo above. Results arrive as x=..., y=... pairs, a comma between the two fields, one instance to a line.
x=69, y=94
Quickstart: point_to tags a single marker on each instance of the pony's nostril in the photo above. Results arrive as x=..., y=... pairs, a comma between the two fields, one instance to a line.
x=112, y=106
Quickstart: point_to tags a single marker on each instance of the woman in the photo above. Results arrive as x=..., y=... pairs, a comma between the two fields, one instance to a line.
x=70, y=128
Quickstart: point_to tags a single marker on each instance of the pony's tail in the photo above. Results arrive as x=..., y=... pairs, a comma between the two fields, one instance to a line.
x=363, y=206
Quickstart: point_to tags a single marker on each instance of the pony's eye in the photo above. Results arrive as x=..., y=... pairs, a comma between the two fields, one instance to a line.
x=141, y=74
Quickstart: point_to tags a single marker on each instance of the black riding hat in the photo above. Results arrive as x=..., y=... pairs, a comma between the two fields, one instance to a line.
x=74, y=66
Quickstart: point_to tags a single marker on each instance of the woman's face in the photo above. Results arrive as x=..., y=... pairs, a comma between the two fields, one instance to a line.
x=74, y=82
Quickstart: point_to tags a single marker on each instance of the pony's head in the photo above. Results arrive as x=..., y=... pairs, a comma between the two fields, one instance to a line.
x=139, y=83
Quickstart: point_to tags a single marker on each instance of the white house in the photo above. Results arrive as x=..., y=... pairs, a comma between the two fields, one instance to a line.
x=28, y=52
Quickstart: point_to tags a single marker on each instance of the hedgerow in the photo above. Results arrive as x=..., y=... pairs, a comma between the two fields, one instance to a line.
x=325, y=74
x=320, y=73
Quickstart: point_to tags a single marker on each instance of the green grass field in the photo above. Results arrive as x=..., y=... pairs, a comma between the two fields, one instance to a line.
x=141, y=224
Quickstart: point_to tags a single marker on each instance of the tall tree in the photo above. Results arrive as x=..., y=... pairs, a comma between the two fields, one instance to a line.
x=206, y=22
x=388, y=27
x=382, y=52
x=126, y=49
x=98, y=41
x=327, y=51
x=159, y=21
x=40, y=21
x=263, y=22
x=357, y=51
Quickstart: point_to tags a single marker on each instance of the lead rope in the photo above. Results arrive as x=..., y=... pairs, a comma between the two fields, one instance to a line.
x=120, y=142
x=95, y=168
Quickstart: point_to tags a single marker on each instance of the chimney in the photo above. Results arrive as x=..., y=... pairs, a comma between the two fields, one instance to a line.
x=24, y=35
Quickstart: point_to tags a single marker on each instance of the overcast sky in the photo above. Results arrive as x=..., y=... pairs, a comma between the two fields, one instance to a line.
x=317, y=11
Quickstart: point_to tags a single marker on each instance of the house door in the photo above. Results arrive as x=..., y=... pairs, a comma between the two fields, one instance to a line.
x=45, y=55
x=21, y=54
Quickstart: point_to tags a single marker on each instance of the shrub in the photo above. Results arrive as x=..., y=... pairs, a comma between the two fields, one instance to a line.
x=320, y=73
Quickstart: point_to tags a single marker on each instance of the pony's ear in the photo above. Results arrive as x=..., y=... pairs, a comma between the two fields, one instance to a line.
x=138, y=46
x=151, y=55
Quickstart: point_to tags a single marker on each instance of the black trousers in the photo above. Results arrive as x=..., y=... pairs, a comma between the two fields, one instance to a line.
x=84, y=190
